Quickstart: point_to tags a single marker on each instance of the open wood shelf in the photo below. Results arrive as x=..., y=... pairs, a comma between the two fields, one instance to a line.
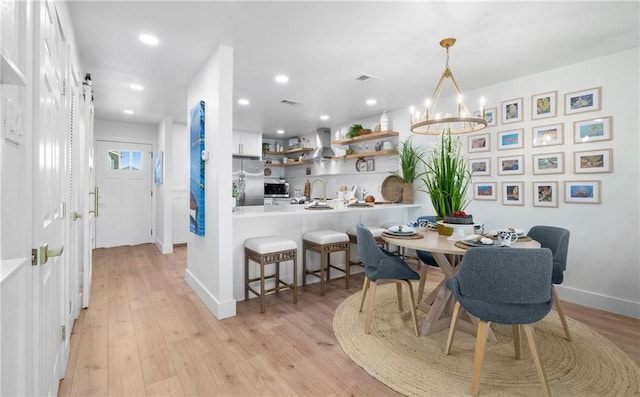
x=290, y=151
x=367, y=137
x=367, y=154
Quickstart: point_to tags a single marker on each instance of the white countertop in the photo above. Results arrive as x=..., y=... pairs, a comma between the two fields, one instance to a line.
x=300, y=209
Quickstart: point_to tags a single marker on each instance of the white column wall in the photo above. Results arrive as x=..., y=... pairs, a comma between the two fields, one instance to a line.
x=209, y=257
x=162, y=235
x=179, y=168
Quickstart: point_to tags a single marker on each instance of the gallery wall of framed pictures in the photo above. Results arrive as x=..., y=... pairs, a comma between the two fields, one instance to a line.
x=530, y=140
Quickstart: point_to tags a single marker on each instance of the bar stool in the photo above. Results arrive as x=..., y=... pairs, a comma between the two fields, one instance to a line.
x=270, y=250
x=325, y=242
x=353, y=239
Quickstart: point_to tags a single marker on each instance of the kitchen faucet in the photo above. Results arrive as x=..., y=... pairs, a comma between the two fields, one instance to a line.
x=324, y=188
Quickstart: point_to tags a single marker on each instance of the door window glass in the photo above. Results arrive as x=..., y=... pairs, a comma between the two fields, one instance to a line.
x=125, y=160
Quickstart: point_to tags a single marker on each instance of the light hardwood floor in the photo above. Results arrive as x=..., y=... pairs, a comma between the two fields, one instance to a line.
x=146, y=333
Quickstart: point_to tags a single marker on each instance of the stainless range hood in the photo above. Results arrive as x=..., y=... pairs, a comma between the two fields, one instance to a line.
x=323, y=145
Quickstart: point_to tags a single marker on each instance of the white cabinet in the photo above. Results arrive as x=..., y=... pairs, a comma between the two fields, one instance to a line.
x=247, y=143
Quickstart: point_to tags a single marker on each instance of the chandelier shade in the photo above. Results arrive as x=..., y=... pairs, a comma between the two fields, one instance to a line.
x=431, y=122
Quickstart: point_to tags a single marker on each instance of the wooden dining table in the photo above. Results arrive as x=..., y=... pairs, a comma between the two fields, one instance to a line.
x=438, y=305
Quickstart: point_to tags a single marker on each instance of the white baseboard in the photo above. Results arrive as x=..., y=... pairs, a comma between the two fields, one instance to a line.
x=220, y=310
x=163, y=248
x=598, y=301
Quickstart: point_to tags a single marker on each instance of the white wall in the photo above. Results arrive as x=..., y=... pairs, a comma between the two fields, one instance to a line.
x=603, y=269
x=163, y=236
x=125, y=132
x=209, y=258
x=179, y=168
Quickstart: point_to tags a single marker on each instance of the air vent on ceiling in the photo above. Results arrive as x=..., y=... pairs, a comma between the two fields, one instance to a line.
x=290, y=102
x=364, y=77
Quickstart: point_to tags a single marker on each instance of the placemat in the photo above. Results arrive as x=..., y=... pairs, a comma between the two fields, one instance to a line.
x=416, y=236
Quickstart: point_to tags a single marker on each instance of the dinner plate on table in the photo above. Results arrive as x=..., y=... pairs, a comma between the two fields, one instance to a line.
x=476, y=243
x=401, y=231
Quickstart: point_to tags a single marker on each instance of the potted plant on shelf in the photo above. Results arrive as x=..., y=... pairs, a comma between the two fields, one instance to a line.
x=446, y=178
x=410, y=156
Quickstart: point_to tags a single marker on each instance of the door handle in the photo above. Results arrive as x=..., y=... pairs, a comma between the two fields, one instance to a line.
x=96, y=196
x=40, y=255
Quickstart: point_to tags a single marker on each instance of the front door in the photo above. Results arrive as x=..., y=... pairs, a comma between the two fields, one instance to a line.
x=123, y=172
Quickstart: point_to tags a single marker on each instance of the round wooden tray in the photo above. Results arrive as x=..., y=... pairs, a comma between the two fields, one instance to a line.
x=392, y=188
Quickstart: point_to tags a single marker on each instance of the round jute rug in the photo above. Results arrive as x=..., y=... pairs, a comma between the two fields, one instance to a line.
x=589, y=365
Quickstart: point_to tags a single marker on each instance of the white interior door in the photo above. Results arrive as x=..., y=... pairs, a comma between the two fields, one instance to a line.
x=87, y=197
x=123, y=174
x=48, y=203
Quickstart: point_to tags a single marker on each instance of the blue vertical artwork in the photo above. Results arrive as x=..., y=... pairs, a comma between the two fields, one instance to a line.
x=196, y=202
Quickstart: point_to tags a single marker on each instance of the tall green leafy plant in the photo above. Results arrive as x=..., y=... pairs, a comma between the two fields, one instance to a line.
x=410, y=156
x=446, y=177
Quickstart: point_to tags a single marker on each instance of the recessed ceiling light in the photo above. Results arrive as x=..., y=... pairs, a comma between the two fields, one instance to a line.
x=280, y=132
x=149, y=39
x=243, y=101
x=371, y=102
x=128, y=111
x=281, y=78
x=324, y=117
x=136, y=87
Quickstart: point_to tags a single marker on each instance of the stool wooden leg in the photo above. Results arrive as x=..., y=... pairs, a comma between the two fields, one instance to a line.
x=295, y=281
x=323, y=269
x=347, y=268
x=277, y=277
x=262, y=295
x=304, y=266
x=246, y=277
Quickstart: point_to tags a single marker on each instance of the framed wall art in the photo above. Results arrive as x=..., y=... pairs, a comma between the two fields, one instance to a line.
x=512, y=111
x=587, y=192
x=593, y=130
x=196, y=138
x=489, y=116
x=545, y=194
x=512, y=193
x=478, y=143
x=582, y=101
x=512, y=139
x=544, y=105
x=158, y=167
x=480, y=167
x=548, y=163
x=484, y=191
x=547, y=135
x=512, y=165
x=592, y=161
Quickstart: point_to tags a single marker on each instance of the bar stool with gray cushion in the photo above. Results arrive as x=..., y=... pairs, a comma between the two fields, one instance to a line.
x=353, y=238
x=265, y=251
x=325, y=242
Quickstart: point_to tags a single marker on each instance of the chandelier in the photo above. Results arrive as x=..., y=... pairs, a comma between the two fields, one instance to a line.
x=432, y=122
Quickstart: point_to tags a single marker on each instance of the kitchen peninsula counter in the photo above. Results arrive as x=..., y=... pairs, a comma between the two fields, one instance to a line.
x=292, y=221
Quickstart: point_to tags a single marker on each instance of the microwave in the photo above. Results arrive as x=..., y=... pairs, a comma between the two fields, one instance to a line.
x=276, y=190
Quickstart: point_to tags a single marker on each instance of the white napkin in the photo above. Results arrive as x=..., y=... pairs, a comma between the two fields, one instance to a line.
x=405, y=229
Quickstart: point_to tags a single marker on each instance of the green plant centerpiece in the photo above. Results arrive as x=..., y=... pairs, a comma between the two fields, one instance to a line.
x=446, y=177
x=411, y=156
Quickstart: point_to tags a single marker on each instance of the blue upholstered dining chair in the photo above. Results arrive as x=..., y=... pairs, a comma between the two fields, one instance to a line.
x=426, y=258
x=557, y=240
x=507, y=286
x=380, y=264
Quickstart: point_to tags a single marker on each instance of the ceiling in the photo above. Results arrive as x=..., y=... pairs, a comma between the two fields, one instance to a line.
x=323, y=46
